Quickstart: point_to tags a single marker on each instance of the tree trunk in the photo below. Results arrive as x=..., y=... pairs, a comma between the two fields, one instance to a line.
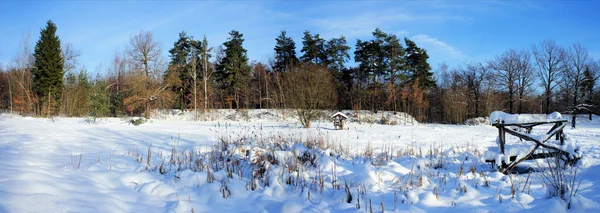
x=195, y=97
x=10, y=92
x=547, y=109
x=476, y=104
x=267, y=89
x=590, y=100
x=194, y=75
x=575, y=109
x=206, y=76
x=510, y=99
x=520, y=109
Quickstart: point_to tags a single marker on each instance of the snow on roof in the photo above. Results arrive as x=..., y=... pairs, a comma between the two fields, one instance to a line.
x=523, y=118
x=341, y=114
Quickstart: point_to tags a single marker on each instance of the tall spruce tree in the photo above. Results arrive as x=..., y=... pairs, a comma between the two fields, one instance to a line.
x=285, y=52
x=233, y=70
x=48, y=69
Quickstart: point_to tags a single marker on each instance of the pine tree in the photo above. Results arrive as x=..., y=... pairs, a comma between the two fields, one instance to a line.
x=233, y=70
x=417, y=65
x=180, y=50
x=313, y=49
x=285, y=52
x=380, y=56
x=372, y=57
x=395, y=57
x=185, y=64
x=337, y=54
x=179, y=55
x=373, y=63
x=48, y=69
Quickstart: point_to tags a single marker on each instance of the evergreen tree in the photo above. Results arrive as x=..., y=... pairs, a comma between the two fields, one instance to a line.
x=395, y=54
x=185, y=55
x=233, y=70
x=337, y=54
x=177, y=68
x=417, y=65
x=587, y=89
x=285, y=52
x=83, y=93
x=313, y=49
x=371, y=57
x=99, y=100
x=180, y=51
x=380, y=56
x=48, y=69
x=395, y=58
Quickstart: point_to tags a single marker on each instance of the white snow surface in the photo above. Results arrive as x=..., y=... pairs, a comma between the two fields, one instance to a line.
x=499, y=116
x=69, y=165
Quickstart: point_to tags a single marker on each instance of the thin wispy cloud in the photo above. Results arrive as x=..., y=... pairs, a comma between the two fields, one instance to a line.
x=434, y=44
x=363, y=23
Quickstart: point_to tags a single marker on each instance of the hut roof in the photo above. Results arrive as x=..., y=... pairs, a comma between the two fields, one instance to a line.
x=339, y=114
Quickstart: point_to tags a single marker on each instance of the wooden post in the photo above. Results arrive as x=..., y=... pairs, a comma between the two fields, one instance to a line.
x=562, y=137
x=501, y=138
x=559, y=132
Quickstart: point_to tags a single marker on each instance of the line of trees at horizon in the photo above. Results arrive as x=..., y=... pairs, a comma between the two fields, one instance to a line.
x=391, y=74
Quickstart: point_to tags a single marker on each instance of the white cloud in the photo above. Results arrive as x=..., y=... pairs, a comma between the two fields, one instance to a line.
x=363, y=24
x=434, y=44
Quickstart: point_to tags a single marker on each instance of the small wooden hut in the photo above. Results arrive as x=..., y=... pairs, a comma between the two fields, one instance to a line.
x=338, y=120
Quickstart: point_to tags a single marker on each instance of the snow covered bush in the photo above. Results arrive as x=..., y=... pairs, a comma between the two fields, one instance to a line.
x=477, y=121
x=137, y=121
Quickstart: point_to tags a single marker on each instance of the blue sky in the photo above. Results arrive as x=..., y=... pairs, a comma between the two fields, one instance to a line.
x=452, y=31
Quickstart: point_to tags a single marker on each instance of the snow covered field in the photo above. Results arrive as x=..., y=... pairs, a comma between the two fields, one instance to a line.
x=69, y=165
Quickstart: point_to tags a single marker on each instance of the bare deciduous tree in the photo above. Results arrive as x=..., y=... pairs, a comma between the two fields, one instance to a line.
x=144, y=51
x=549, y=59
x=145, y=55
x=207, y=70
x=308, y=89
x=473, y=76
x=525, y=78
x=70, y=55
x=505, y=69
x=22, y=97
x=193, y=73
x=573, y=76
x=75, y=92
